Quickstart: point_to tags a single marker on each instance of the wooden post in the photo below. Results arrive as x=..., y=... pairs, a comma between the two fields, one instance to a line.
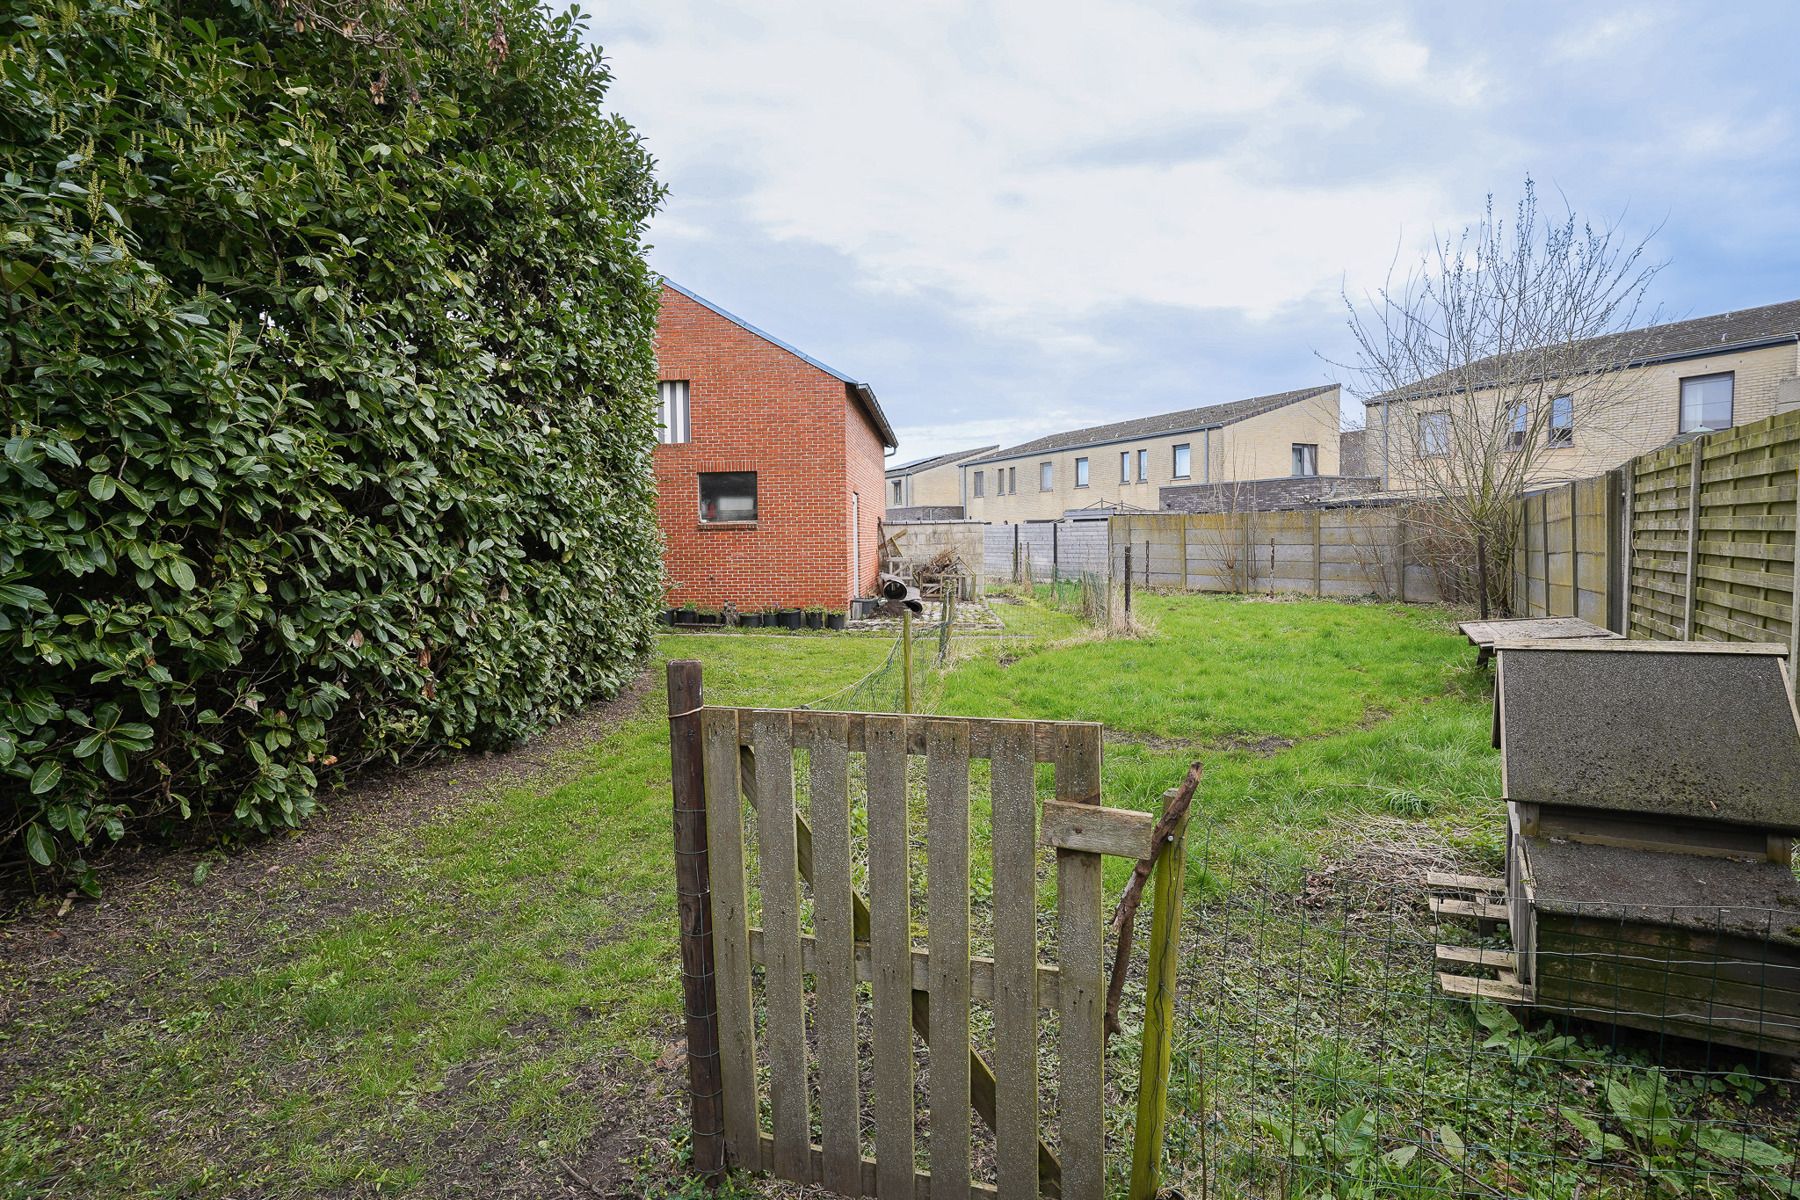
x=1574, y=551
x=693, y=895
x=1055, y=562
x=1184, y=553
x=1794, y=600
x=1618, y=568
x=1128, y=583
x=1690, y=601
x=1271, y=568
x=1318, y=563
x=906, y=696
x=1246, y=587
x=1015, y=578
x=1400, y=555
x=1159, y=1017
x=1481, y=568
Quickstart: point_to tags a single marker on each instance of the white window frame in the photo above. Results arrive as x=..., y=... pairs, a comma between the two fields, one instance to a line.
x=1518, y=426
x=1302, y=456
x=1434, y=433
x=1682, y=424
x=1561, y=435
x=674, y=416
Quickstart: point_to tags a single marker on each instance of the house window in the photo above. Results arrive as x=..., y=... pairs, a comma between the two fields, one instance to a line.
x=899, y=490
x=1434, y=433
x=1012, y=480
x=1143, y=466
x=1706, y=402
x=672, y=412
x=1517, y=426
x=1124, y=466
x=1306, y=458
x=1183, y=461
x=1081, y=472
x=1562, y=421
x=980, y=485
x=1045, y=475
x=727, y=496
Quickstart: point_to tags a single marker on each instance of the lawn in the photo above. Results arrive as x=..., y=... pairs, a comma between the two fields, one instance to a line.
x=462, y=980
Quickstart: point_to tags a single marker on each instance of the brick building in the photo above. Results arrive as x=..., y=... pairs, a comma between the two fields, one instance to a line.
x=768, y=468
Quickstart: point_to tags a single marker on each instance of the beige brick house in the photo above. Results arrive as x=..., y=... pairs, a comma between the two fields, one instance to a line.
x=1126, y=462
x=1670, y=380
x=930, y=482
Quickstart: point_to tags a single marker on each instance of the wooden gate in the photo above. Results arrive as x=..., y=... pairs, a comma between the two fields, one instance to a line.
x=784, y=897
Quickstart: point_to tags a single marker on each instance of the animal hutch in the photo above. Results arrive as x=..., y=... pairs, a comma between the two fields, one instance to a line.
x=1652, y=797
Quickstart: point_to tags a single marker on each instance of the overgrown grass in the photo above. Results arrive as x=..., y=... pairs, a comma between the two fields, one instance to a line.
x=503, y=954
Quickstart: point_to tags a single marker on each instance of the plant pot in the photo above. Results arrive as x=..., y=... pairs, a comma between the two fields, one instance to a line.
x=666, y=617
x=834, y=620
x=687, y=616
x=790, y=618
x=815, y=620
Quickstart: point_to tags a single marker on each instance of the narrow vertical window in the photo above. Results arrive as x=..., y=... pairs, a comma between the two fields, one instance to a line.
x=1434, y=433
x=1124, y=466
x=980, y=481
x=1081, y=472
x=1183, y=461
x=899, y=491
x=1143, y=466
x=1562, y=421
x=1046, y=476
x=672, y=412
x=1517, y=426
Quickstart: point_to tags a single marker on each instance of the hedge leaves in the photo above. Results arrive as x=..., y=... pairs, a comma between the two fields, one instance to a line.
x=329, y=394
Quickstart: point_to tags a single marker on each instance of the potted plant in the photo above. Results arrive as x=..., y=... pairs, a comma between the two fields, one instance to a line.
x=687, y=614
x=834, y=620
x=815, y=618
x=790, y=618
x=666, y=616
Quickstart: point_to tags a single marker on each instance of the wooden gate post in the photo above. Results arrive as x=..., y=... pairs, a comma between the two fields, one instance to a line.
x=1159, y=1017
x=1690, y=598
x=1127, y=583
x=693, y=894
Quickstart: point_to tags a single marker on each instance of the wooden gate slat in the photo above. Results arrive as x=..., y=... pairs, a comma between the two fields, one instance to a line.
x=890, y=940
x=1015, y=963
x=1081, y=1092
x=784, y=991
x=947, y=918
x=731, y=935
x=828, y=745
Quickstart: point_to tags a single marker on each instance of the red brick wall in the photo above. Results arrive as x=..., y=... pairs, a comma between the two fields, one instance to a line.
x=756, y=407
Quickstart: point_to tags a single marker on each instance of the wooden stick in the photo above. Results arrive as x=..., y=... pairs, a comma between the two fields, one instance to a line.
x=693, y=891
x=1125, y=915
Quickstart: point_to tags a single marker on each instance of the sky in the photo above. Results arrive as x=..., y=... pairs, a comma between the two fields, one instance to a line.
x=1016, y=218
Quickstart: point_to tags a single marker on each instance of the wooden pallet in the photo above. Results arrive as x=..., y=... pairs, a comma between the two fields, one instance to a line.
x=1482, y=899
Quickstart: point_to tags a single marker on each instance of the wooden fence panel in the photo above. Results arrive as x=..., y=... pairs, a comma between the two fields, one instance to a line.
x=827, y=741
x=1080, y=999
x=1015, y=964
x=784, y=989
x=720, y=740
x=890, y=940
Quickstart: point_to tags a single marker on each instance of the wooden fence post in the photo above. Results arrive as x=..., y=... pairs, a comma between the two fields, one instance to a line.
x=1618, y=574
x=1015, y=577
x=1184, y=554
x=693, y=895
x=1794, y=600
x=1400, y=555
x=1318, y=570
x=1128, y=583
x=1690, y=601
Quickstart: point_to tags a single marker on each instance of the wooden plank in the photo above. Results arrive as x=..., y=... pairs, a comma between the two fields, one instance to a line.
x=771, y=736
x=1477, y=909
x=1015, y=963
x=1471, y=988
x=1479, y=956
x=1471, y=883
x=890, y=941
x=731, y=943
x=1087, y=827
x=833, y=961
x=1696, y=450
x=947, y=928
x=1079, y=956
x=982, y=733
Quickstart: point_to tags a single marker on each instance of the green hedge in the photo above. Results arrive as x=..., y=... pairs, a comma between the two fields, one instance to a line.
x=329, y=383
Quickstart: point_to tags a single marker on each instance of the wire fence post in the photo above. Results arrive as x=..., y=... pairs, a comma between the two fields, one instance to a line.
x=1055, y=556
x=1159, y=1017
x=906, y=680
x=693, y=892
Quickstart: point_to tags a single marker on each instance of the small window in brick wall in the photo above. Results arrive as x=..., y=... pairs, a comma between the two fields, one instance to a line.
x=899, y=491
x=980, y=481
x=672, y=423
x=1045, y=475
x=1081, y=472
x=727, y=496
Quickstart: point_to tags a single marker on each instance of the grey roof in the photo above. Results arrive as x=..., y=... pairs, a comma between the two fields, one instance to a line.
x=862, y=391
x=1742, y=329
x=942, y=460
x=1187, y=420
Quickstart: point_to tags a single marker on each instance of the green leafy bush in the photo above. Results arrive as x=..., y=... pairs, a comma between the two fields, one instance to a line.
x=328, y=376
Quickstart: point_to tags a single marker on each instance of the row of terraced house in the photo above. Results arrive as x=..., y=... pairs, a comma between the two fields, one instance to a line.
x=775, y=489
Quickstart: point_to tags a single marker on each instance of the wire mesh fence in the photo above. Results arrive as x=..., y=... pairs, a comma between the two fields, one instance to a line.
x=1315, y=1054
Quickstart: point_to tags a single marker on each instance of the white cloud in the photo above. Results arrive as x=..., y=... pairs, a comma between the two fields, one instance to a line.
x=949, y=148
